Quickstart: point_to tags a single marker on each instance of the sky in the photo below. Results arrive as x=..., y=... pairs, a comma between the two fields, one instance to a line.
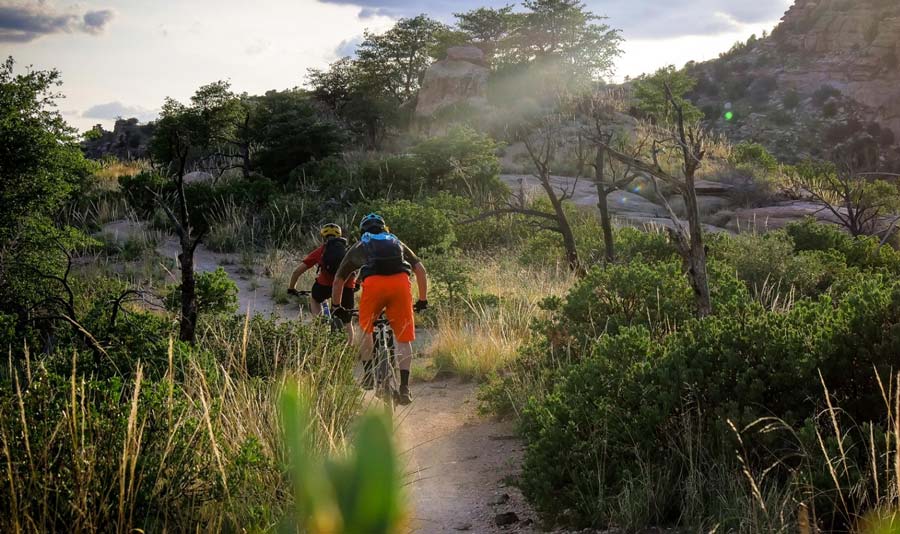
x=124, y=57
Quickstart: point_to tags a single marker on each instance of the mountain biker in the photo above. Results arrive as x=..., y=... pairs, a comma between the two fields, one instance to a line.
x=385, y=265
x=326, y=258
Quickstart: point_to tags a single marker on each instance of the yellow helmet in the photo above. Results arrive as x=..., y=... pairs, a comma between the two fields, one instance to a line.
x=330, y=230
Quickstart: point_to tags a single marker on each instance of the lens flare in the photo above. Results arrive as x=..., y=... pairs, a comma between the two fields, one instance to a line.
x=729, y=115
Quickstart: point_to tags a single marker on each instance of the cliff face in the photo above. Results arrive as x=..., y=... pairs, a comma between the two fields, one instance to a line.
x=827, y=75
x=852, y=45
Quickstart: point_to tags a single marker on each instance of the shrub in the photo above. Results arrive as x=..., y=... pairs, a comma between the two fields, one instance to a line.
x=616, y=416
x=753, y=154
x=422, y=228
x=830, y=109
x=217, y=293
x=864, y=252
x=141, y=189
x=791, y=99
x=824, y=94
x=633, y=244
x=462, y=162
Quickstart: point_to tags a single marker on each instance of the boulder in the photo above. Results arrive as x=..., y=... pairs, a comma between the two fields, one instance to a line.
x=460, y=79
x=197, y=176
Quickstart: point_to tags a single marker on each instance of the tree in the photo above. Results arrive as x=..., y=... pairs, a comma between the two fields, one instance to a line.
x=395, y=61
x=600, y=109
x=650, y=94
x=680, y=144
x=566, y=34
x=289, y=130
x=541, y=136
x=488, y=28
x=859, y=201
x=41, y=166
x=188, y=135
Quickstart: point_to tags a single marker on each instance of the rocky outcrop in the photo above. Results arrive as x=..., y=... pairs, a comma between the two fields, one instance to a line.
x=129, y=140
x=459, y=80
x=852, y=46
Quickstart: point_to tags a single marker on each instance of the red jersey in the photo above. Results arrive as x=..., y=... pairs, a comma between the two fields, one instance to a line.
x=324, y=278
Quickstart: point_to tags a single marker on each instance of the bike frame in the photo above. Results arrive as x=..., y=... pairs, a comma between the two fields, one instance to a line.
x=384, y=360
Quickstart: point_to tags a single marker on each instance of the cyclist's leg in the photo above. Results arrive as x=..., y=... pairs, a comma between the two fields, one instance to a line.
x=347, y=302
x=370, y=305
x=317, y=295
x=399, y=311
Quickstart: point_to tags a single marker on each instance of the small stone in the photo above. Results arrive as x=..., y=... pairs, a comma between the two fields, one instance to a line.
x=462, y=526
x=505, y=519
x=503, y=498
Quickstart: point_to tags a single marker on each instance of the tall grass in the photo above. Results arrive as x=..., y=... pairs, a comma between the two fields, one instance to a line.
x=480, y=335
x=199, y=449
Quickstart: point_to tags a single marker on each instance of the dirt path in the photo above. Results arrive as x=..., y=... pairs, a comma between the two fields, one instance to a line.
x=458, y=464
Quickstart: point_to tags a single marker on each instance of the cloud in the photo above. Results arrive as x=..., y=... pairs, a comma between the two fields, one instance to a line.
x=348, y=47
x=24, y=22
x=115, y=110
x=95, y=22
x=638, y=19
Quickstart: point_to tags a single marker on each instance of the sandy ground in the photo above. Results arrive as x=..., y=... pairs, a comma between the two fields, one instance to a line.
x=459, y=466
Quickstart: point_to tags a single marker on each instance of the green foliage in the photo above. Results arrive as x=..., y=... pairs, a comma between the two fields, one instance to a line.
x=289, y=130
x=41, y=166
x=359, y=493
x=650, y=93
x=452, y=276
x=610, y=418
x=462, y=162
x=791, y=99
x=863, y=252
x=421, y=227
x=217, y=294
x=747, y=153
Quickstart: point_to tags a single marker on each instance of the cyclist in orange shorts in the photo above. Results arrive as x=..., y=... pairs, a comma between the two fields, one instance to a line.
x=385, y=265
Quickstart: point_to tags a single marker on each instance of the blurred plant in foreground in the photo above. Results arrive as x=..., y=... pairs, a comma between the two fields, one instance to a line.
x=358, y=493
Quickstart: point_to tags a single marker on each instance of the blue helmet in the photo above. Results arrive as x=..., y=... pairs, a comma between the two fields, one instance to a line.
x=371, y=222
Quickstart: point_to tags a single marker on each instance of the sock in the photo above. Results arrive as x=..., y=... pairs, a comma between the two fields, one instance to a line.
x=367, y=367
x=404, y=378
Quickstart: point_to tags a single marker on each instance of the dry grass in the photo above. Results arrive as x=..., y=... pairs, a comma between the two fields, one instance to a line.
x=477, y=339
x=108, y=173
x=200, y=449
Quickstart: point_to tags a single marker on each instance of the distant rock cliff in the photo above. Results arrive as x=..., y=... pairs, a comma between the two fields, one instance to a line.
x=459, y=80
x=129, y=140
x=827, y=73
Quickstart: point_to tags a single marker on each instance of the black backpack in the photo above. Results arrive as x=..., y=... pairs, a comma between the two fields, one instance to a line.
x=333, y=255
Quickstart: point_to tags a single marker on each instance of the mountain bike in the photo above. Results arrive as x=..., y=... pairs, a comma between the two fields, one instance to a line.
x=385, y=372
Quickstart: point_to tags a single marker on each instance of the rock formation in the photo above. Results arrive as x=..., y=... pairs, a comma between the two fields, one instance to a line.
x=129, y=140
x=460, y=80
x=852, y=46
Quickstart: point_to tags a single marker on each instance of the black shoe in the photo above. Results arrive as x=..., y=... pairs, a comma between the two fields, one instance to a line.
x=403, y=396
x=368, y=382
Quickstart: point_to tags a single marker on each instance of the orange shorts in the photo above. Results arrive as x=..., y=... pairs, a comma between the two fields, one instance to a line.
x=393, y=295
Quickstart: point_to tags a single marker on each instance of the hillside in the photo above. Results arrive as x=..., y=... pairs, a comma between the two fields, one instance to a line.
x=827, y=75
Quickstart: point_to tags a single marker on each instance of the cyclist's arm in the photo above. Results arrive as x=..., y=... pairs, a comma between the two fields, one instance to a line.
x=418, y=270
x=302, y=268
x=421, y=280
x=353, y=260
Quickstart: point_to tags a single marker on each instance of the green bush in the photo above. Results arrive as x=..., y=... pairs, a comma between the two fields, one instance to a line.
x=217, y=293
x=463, y=162
x=421, y=227
x=753, y=154
x=863, y=252
x=610, y=419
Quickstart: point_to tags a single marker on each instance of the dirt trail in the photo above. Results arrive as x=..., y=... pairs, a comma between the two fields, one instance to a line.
x=458, y=464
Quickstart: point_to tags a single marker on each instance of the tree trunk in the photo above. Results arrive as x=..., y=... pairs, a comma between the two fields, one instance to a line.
x=562, y=222
x=187, y=331
x=695, y=256
x=603, y=206
x=245, y=160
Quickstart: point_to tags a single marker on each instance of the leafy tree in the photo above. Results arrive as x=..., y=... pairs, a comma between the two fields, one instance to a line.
x=488, y=28
x=858, y=201
x=41, y=165
x=650, y=93
x=566, y=34
x=462, y=162
x=289, y=130
x=397, y=59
